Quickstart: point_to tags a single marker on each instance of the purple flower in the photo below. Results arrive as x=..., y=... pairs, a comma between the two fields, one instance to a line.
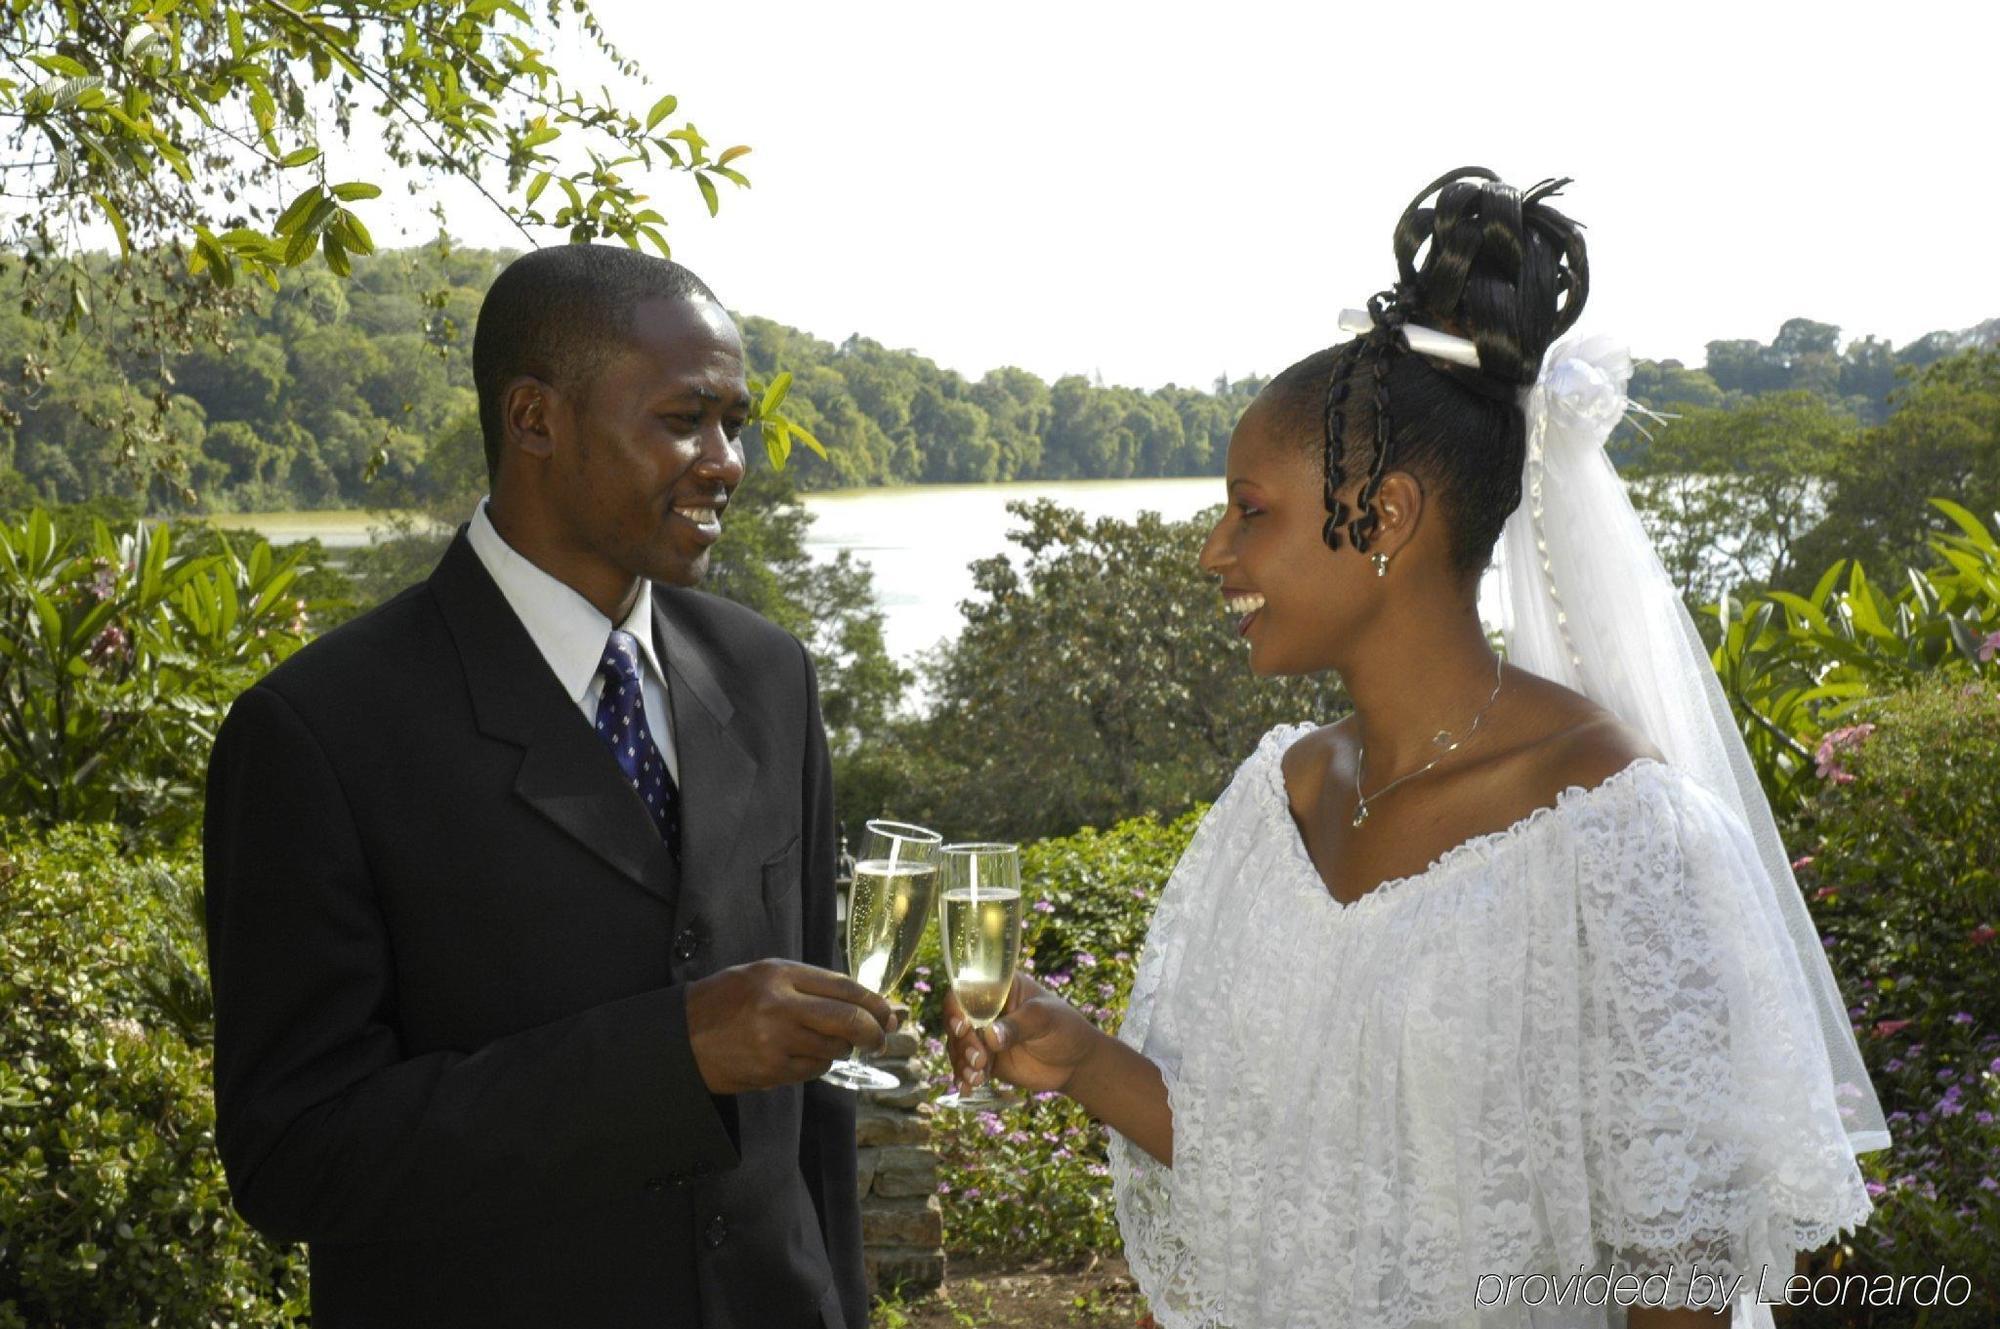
x=1961, y=1017
x=1988, y=1184
x=1876, y=1189
x=1044, y=907
x=921, y=986
x=1895, y=1064
x=1983, y=1118
x=1989, y=647
x=1085, y=960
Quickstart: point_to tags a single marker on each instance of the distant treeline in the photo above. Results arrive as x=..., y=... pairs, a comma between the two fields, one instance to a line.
x=332, y=394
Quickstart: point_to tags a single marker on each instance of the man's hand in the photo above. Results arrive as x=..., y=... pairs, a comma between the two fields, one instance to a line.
x=777, y=1022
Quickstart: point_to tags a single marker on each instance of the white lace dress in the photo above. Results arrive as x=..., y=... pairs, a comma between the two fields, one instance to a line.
x=1578, y=1046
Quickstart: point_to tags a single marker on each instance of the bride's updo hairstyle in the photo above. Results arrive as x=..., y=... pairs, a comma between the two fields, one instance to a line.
x=1487, y=263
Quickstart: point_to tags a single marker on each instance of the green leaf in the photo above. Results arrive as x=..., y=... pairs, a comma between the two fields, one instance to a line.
x=536, y=186
x=299, y=157
x=776, y=447
x=774, y=395
x=336, y=253
x=536, y=137
x=301, y=207
x=735, y=177
x=662, y=108
x=708, y=192
x=731, y=154
x=356, y=190
x=353, y=234
x=141, y=40
x=117, y=220
x=1963, y=519
x=806, y=437
x=51, y=621
x=61, y=64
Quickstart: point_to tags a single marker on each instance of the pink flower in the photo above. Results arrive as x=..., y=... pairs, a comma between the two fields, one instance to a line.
x=1802, y=861
x=1983, y=934
x=1989, y=648
x=1841, y=740
x=1890, y=1028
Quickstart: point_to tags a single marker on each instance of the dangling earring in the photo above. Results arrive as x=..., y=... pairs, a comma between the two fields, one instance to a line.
x=1381, y=564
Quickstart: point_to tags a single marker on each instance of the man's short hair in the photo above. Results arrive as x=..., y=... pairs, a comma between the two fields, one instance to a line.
x=559, y=314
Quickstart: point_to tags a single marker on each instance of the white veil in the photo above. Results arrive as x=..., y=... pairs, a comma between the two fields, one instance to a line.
x=1586, y=602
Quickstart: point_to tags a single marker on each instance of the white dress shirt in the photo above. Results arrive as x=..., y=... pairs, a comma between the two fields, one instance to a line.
x=571, y=634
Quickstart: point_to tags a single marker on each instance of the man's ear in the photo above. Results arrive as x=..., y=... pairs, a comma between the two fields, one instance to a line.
x=525, y=410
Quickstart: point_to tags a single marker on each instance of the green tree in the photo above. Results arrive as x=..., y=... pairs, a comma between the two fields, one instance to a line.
x=196, y=130
x=1727, y=494
x=1096, y=681
x=1941, y=438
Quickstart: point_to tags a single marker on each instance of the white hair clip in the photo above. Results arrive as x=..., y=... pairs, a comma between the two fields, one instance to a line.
x=1424, y=341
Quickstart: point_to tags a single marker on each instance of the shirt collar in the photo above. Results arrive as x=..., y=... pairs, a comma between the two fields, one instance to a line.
x=567, y=629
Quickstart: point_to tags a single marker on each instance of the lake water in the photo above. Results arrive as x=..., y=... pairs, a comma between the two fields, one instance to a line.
x=920, y=540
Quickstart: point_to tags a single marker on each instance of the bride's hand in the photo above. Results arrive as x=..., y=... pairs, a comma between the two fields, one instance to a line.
x=1037, y=1043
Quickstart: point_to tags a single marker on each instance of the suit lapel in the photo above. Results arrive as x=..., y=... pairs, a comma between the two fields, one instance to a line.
x=718, y=774
x=567, y=774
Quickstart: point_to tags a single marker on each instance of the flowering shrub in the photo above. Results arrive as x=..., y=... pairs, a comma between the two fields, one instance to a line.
x=1032, y=1180
x=1903, y=871
x=119, y=656
x=113, y=1207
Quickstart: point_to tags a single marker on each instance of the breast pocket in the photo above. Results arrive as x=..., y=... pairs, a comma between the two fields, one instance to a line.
x=782, y=906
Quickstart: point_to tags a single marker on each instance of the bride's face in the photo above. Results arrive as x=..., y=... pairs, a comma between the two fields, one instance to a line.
x=1294, y=599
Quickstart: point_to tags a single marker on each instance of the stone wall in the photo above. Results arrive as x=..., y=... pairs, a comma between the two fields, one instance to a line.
x=902, y=1221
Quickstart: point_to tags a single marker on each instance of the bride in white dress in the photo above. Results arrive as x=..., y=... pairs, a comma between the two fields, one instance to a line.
x=1493, y=1003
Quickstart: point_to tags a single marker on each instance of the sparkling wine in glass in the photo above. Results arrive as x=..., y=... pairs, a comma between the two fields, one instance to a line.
x=888, y=905
x=979, y=930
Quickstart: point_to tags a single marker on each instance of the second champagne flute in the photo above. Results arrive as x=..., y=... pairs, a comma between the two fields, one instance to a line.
x=979, y=931
x=887, y=908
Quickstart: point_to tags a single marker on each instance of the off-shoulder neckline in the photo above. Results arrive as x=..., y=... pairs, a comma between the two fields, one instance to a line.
x=1478, y=848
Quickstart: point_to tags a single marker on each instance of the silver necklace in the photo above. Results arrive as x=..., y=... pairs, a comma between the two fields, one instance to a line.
x=1443, y=738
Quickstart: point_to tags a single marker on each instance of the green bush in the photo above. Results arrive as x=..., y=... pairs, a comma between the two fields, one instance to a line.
x=1903, y=868
x=1032, y=1181
x=119, y=657
x=113, y=1208
x=1795, y=667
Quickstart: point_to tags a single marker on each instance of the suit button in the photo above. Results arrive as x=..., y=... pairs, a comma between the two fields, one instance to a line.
x=715, y=1233
x=687, y=944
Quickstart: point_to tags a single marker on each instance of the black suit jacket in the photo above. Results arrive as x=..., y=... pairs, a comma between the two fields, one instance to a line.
x=449, y=952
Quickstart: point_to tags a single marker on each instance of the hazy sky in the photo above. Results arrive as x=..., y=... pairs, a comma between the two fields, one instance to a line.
x=1158, y=192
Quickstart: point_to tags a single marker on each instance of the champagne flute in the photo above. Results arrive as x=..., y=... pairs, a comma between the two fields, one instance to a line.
x=888, y=905
x=979, y=930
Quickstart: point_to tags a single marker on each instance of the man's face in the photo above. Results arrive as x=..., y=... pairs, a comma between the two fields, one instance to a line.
x=646, y=457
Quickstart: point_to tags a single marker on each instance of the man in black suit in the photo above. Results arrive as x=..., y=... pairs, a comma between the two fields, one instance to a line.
x=520, y=887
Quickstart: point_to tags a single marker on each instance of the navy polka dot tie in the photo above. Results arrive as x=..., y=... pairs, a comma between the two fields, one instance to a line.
x=621, y=723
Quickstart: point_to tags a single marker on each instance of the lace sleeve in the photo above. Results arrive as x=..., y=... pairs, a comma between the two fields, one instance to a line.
x=1144, y=1190
x=1712, y=1136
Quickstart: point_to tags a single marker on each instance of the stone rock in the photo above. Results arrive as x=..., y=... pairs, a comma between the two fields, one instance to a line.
x=901, y=1170
x=912, y=1092
x=875, y=1124
x=864, y=1169
x=910, y=1222
x=906, y=1267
